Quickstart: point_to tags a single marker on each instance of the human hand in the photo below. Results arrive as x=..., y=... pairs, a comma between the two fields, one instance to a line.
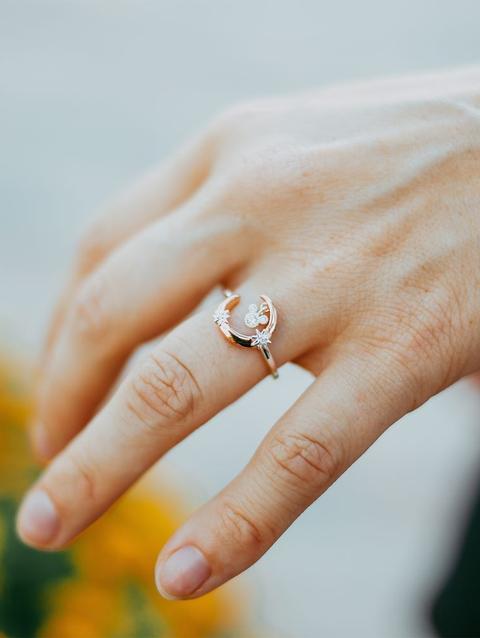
x=356, y=209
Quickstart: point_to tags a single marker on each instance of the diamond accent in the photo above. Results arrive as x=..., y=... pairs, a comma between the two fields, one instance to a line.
x=255, y=316
x=221, y=317
x=261, y=338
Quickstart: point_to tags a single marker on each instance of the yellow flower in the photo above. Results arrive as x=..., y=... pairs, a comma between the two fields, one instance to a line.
x=121, y=549
x=103, y=587
x=15, y=405
x=16, y=466
x=80, y=609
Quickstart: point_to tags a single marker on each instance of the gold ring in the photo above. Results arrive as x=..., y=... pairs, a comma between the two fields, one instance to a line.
x=264, y=316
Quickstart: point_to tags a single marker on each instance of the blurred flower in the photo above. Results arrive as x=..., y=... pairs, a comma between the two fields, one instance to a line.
x=15, y=462
x=103, y=586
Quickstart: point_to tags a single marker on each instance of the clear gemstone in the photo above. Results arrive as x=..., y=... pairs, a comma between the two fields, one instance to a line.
x=220, y=317
x=251, y=320
x=261, y=338
x=256, y=316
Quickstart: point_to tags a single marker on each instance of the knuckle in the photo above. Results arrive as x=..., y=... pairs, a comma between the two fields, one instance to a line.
x=389, y=369
x=89, y=308
x=248, y=182
x=83, y=476
x=420, y=343
x=92, y=248
x=429, y=321
x=236, y=115
x=435, y=329
x=237, y=527
x=305, y=462
x=424, y=356
x=163, y=389
x=269, y=173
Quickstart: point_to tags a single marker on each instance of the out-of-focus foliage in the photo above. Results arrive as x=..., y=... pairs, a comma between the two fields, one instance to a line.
x=102, y=587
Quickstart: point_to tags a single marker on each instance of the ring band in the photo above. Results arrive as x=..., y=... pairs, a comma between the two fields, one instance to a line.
x=264, y=315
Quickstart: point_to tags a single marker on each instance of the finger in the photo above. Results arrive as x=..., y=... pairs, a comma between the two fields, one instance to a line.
x=337, y=418
x=160, y=191
x=191, y=375
x=143, y=288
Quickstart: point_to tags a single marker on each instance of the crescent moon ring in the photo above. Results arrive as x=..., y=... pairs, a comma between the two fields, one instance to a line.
x=261, y=339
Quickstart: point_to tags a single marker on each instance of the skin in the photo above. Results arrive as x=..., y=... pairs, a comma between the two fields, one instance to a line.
x=356, y=209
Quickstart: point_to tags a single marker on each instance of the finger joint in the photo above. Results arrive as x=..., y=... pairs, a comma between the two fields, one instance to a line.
x=89, y=310
x=163, y=389
x=239, y=528
x=305, y=462
x=83, y=476
x=92, y=249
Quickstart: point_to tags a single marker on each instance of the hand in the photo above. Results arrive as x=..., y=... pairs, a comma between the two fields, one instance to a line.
x=356, y=209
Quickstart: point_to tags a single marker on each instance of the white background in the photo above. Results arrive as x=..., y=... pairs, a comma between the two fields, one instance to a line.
x=91, y=94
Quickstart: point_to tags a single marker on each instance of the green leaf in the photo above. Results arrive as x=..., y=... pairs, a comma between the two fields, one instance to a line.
x=25, y=575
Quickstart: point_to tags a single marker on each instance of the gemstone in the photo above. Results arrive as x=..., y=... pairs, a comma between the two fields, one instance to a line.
x=261, y=338
x=251, y=319
x=255, y=316
x=220, y=317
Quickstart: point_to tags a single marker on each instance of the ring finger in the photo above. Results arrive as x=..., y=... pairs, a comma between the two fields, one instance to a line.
x=187, y=379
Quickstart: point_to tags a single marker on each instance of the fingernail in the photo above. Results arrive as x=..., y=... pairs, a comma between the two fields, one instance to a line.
x=37, y=521
x=40, y=441
x=182, y=573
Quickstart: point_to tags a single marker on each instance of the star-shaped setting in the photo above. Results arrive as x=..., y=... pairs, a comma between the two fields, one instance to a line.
x=261, y=318
x=261, y=338
x=220, y=317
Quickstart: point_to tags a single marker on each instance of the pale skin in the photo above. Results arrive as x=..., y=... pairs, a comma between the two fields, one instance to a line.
x=357, y=210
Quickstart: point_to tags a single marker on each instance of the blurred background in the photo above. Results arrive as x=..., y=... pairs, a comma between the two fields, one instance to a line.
x=92, y=94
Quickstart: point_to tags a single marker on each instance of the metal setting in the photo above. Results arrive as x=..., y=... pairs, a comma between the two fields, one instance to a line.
x=263, y=316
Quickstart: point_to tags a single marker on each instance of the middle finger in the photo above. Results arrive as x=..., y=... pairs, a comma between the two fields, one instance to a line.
x=191, y=375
